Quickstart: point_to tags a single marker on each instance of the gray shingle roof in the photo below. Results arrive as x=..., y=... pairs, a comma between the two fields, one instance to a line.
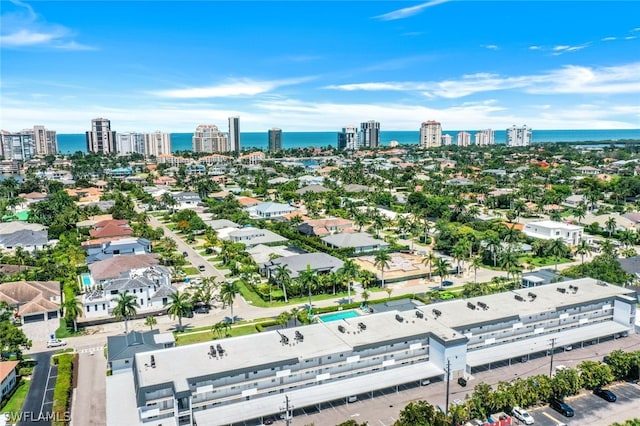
x=124, y=347
x=357, y=239
x=317, y=262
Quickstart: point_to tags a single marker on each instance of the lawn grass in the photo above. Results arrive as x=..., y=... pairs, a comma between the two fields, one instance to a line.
x=190, y=270
x=191, y=338
x=15, y=403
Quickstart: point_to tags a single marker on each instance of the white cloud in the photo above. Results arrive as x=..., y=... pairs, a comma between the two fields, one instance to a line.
x=232, y=88
x=630, y=38
x=535, y=48
x=567, y=80
x=409, y=11
x=559, y=50
x=490, y=47
x=635, y=29
x=22, y=28
x=608, y=38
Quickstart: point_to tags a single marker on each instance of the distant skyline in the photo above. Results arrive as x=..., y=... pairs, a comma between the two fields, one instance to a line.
x=319, y=66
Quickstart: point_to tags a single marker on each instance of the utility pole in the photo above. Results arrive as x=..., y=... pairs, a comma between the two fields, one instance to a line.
x=446, y=404
x=287, y=412
x=553, y=346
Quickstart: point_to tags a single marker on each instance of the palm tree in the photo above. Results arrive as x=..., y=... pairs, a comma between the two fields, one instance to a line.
x=509, y=261
x=126, y=307
x=294, y=314
x=610, y=225
x=348, y=273
x=556, y=249
x=179, y=306
x=430, y=260
x=608, y=248
x=443, y=268
x=282, y=276
x=382, y=261
x=582, y=249
x=493, y=244
x=476, y=263
x=308, y=278
x=73, y=310
x=228, y=292
x=150, y=321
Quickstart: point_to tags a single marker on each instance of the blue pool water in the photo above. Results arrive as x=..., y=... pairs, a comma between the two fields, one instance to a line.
x=338, y=316
x=86, y=280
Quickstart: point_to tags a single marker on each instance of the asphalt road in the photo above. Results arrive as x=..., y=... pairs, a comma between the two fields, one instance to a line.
x=38, y=404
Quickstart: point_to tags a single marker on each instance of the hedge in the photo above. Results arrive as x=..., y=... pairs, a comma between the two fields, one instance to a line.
x=63, y=389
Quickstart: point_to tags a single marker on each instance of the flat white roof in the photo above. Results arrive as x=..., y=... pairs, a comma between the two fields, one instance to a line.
x=541, y=343
x=552, y=224
x=268, y=405
x=121, y=401
x=502, y=306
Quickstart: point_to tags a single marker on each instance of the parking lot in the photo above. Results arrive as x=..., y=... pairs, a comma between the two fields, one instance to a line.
x=592, y=410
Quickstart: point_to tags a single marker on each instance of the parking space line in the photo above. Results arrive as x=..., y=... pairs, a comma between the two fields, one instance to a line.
x=551, y=417
x=44, y=394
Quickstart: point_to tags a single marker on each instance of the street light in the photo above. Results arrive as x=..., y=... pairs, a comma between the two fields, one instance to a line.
x=288, y=410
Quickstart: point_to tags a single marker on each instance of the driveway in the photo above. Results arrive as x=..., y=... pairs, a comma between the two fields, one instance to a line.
x=89, y=396
x=39, y=401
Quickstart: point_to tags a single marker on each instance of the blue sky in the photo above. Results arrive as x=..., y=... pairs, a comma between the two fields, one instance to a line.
x=319, y=66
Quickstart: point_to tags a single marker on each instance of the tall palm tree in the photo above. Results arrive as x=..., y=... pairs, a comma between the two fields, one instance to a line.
x=430, y=261
x=443, y=267
x=228, y=292
x=493, y=244
x=126, y=307
x=179, y=306
x=348, y=273
x=73, y=310
x=608, y=248
x=582, y=249
x=308, y=278
x=610, y=225
x=476, y=263
x=509, y=261
x=381, y=261
x=556, y=249
x=282, y=276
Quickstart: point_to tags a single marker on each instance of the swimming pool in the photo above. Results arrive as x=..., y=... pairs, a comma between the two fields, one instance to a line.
x=86, y=280
x=337, y=316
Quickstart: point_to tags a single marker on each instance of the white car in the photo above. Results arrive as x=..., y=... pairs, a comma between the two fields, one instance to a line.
x=55, y=343
x=522, y=415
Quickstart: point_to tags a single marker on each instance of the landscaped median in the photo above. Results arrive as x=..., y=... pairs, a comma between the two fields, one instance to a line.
x=66, y=363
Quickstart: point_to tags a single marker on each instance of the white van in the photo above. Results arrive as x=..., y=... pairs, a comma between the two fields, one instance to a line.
x=425, y=382
x=352, y=398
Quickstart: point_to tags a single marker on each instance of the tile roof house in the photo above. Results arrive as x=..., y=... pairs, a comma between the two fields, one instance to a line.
x=122, y=348
x=150, y=285
x=36, y=300
x=361, y=242
x=111, y=228
x=29, y=236
x=326, y=226
x=8, y=378
x=115, y=266
x=317, y=189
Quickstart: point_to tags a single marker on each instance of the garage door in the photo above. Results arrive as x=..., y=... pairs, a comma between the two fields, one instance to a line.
x=33, y=318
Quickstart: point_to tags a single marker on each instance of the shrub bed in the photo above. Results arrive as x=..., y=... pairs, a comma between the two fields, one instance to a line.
x=63, y=389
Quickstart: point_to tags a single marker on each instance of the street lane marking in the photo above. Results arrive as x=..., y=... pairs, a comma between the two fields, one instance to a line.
x=551, y=417
x=44, y=394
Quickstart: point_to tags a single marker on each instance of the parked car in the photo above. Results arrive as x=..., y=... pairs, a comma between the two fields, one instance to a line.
x=605, y=394
x=447, y=283
x=522, y=415
x=201, y=268
x=202, y=309
x=462, y=381
x=55, y=343
x=185, y=254
x=561, y=407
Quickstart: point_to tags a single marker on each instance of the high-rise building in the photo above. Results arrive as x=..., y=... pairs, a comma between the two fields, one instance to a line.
x=369, y=134
x=485, y=137
x=207, y=138
x=157, y=143
x=129, y=143
x=430, y=134
x=275, y=140
x=519, y=136
x=234, y=134
x=101, y=139
x=348, y=138
x=17, y=146
x=446, y=139
x=46, y=141
x=464, y=139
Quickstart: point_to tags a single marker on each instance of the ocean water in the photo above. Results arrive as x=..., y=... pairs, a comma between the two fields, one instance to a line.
x=69, y=143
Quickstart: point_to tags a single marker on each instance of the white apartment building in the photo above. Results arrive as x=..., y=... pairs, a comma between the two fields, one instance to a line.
x=129, y=143
x=45, y=141
x=227, y=382
x=446, y=139
x=464, y=139
x=519, y=136
x=348, y=138
x=157, y=143
x=369, y=134
x=485, y=137
x=17, y=146
x=207, y=138
x=430, y=134
x=552, y=230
